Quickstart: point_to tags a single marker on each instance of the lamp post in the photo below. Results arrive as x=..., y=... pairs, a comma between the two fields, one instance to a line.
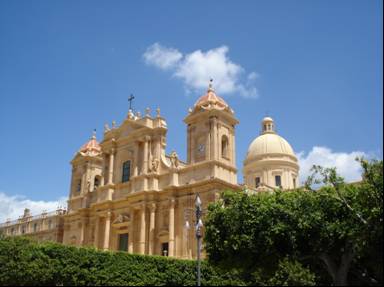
x=199, y=225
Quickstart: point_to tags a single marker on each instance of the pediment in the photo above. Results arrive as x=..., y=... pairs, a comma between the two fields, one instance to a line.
x=128, y=127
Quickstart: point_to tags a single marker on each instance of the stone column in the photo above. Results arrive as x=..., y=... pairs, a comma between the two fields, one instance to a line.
x=151, y=247
x=189, y=147
x=102, y=182
x=214, y=143
x=136, y=159
x=130, y=231
x=82, y=233
x=142, y=230
x=145, y=156
x=96, y=236
x=172, y=227
x=207, y=150
x=111, y=162
x=87, y=179
x=233, y=148
x=107, y=230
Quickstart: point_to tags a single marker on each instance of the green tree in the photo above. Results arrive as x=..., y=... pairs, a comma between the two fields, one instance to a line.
x=336, y=229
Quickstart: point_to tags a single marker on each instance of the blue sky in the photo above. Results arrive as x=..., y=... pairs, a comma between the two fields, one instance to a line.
x=67, y=67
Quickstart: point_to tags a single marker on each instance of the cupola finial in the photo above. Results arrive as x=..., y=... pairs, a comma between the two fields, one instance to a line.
x=210, y=86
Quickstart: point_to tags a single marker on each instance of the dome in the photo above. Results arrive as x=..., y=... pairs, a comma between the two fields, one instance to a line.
x=92, y=147
x=211, y=98
x=269, y=142
x=211, y=101
x=270, y=162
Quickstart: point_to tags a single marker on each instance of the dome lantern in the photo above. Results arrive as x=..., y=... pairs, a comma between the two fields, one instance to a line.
x=267, y=126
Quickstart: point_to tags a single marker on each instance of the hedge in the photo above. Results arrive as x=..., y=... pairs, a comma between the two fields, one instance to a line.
x=26, y=262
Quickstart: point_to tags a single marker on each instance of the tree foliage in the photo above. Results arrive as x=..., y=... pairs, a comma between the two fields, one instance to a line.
x=335, y=232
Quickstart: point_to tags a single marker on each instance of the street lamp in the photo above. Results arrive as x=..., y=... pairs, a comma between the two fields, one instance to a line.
x=199, y=225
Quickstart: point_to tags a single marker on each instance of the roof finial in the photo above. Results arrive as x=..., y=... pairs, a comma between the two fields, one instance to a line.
x=94, y=134
x=210, y=88
x=130, y=99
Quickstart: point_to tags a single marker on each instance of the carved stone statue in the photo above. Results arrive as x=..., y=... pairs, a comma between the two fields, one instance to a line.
x=174, y=159
x=154, y=164
x=106, y=128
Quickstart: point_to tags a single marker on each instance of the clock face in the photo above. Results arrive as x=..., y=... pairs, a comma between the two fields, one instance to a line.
x=200, y=148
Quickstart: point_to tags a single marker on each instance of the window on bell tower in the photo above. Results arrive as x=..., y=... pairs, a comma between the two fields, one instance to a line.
x=126, y=171
x=96, y=182
x=78, y=188
x=224, y=147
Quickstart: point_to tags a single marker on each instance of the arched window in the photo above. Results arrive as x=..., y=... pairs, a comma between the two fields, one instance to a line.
x=224, y=146
x=50, y=224
x=35, y=227
x=126, y=171
x=257, y=181
x=96, y=182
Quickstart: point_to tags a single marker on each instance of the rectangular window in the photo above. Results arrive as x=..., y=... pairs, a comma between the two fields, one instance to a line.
x=164, y=249
x=123, y=242
x=79, y=185
x=294, y=182
x=35, y=227
x=126, y=171
x=257, y=181
x=278, y=180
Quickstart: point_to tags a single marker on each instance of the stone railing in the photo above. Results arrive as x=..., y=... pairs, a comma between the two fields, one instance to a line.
x=22, y=219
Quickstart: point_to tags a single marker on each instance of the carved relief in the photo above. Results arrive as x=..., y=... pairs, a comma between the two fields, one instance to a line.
x=122, y=218
x=154, y=165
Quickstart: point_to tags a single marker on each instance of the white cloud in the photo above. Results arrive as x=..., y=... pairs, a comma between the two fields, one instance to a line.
x=196, y=68
x=345, y=163
x=162, y=57
x=13, y=206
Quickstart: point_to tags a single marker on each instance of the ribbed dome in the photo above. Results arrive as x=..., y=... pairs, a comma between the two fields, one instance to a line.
x=269, y=143
x=270, y=162
x=211, y=98
x=211, y=101
x=92, y=147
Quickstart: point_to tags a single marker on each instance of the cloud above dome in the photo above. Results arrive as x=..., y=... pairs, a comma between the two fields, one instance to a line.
x=196, y=68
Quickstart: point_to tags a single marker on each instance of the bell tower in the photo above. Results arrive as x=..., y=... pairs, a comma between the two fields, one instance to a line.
x=211, y=131
x=86, y=173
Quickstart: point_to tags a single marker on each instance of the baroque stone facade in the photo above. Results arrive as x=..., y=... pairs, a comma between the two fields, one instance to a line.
x=127, y=194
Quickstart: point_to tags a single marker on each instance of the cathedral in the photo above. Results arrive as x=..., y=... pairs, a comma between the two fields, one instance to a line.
x=128, y=194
